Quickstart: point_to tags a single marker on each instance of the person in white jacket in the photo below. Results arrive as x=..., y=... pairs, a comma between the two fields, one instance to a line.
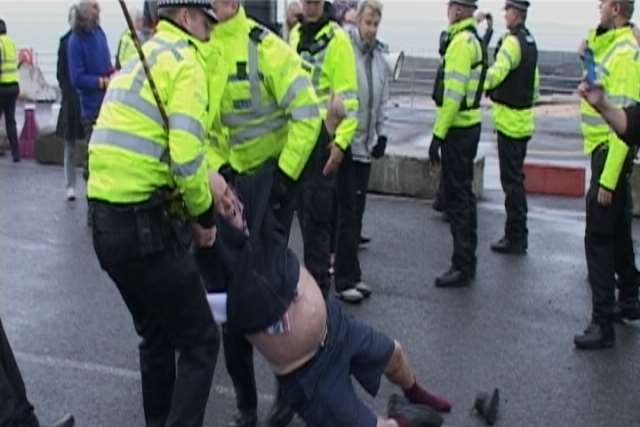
x=370, y=140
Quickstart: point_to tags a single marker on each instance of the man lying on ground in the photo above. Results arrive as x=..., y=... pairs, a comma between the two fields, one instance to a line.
x=312, y=346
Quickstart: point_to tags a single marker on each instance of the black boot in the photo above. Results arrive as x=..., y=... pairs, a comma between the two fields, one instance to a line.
x=66, y=421
x=628, y=309
x=280, y=414
x=244, y=419
x=453, y=278
x=417, y=415
x=595, y=337
x=510, y=247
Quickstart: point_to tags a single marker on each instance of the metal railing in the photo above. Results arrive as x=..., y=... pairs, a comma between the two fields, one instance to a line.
x=418, y=76
x=47, y=61
x=415, y=82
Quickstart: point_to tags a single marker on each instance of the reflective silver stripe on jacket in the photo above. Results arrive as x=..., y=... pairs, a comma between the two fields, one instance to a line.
x=187, y=169
x=135, y=101
x=457, y=76
x=132, y=97
x=257, y=109
x=299, y=84
x=240, y=119
x=129, y=142
x=305, y=112
x=317, y=62
x=186, y=124
x=621, y=100
x=254, y=75
x=593, y=120
x=452, y=94
x=257, y=131
x=618, y=46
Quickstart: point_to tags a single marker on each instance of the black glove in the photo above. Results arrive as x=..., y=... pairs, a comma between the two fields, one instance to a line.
x=434, y=150
x=282, y=190
x=380, y=147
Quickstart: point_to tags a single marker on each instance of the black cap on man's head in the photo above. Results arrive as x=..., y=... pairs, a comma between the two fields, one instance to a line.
x=518, y=4
x=467, y=3
x=205, y=5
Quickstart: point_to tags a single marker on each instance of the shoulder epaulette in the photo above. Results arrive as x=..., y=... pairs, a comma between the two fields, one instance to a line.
x=258, y=33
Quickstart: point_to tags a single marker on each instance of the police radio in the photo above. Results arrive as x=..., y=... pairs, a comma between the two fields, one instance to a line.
x=590, y=68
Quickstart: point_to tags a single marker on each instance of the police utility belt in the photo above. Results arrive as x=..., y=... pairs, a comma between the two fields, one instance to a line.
x=151, y=221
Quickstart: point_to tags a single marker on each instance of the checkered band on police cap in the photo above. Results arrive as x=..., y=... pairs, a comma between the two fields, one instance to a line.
x=518, y=4
x=468, y=3
x=205, y=5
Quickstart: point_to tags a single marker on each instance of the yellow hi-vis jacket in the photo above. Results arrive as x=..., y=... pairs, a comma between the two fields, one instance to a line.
x=617, y=59
x=126, y=50
x=333, y=70
x=461, y=80
x=217, y=135
x=268, y=105
x=131, y=153
x=8, y=60
x=515, y=123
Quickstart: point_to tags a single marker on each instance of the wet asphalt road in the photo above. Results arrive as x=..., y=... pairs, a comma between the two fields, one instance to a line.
x=512, y=329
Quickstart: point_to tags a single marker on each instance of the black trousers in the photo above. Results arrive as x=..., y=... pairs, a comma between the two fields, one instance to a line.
x=8, y=97
x=511, y=153
x=362, y=174
x=160, y=283
x=15, y=408
x=238, y=358
x=458, y=153
x=315, y=212
x=608, y=244
x=87, y=125
x=347, y=265
x=439, y=199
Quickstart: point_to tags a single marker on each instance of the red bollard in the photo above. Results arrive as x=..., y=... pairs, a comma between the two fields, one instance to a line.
x=29, y=132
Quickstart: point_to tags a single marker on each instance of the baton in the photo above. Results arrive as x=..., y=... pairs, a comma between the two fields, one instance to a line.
x=143, y=60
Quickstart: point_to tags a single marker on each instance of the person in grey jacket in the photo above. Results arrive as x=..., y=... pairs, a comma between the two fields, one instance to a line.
x=370, y=140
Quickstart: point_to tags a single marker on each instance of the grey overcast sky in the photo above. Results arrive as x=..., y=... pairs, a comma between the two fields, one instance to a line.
x=411, y=25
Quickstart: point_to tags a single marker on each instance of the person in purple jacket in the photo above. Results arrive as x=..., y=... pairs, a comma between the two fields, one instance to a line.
x=89, y=62
x=90, y=68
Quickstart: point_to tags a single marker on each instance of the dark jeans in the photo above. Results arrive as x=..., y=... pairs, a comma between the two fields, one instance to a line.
x=362, y=173
x=315, y=213
x=8, y=97
x=161, y=286
x=608, y=244
x=15, y=409
x=458, y=153
x=511, y=153
x=347, y=265
x=322, y=391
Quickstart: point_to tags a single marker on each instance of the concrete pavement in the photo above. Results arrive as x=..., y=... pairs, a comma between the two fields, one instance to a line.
x=512, y=329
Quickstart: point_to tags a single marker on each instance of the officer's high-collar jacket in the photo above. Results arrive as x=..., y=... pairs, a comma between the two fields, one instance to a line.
x=616, y=53
x=464, y=25
x=268, y=106
x=328, y=50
